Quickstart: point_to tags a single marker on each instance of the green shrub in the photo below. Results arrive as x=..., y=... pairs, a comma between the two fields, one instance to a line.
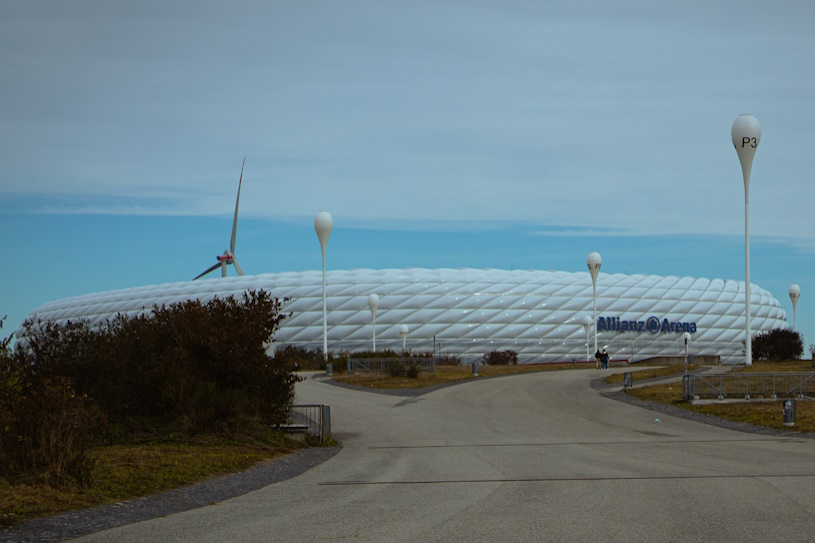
x=778, y=345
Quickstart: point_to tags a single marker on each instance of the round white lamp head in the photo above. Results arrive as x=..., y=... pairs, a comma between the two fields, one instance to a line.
x=686, y=335
x=587, y=322
x=373, y=303
x=323, y=224
x=746, y=135
x=795, y=293
x=594, y=262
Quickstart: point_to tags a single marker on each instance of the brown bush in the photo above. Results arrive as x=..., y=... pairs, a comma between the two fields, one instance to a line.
x=193, y=366
x=501, y=358
x=46, y=429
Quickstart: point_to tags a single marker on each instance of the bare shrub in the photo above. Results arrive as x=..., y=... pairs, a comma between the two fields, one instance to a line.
x=412, y=370
x=501, y=358
x=46, y=429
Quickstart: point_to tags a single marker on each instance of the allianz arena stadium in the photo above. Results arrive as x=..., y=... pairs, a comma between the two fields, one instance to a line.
x=470, y=312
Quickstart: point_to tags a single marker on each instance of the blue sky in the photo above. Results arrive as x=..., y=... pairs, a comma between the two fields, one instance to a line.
x=438, y=134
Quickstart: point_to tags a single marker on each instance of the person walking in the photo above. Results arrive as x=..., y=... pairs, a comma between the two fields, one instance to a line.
x=597, y=358
x=604, y=360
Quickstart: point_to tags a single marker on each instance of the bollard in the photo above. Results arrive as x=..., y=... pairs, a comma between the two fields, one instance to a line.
x=329, y=369
x=325, y=422
x=475, y=369
x=789, y=412
x=628, y=379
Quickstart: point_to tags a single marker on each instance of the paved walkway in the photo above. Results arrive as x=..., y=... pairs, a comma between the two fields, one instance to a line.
x=533, y=457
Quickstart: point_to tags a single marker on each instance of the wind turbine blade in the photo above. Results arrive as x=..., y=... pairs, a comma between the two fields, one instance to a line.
x=237, y=267
x=223, y=268
x=213, y=268
x=237, y=202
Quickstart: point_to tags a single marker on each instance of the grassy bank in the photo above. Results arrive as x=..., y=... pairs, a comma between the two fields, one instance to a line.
x=650, y=373
x=760, y=412
x=124, y=472
x=444, y=374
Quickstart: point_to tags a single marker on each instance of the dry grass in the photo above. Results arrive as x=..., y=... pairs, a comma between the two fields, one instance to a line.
x=762, y=366
x=650, y=373
x=763, y=413
x=444, y=374
x=760, y=412
x=130, y=471
x=669, y=393
x=759, y=366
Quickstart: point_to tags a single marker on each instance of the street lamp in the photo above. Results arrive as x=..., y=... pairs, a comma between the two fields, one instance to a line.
x=746, y=135
x=686, y=337
x=403, y=331
x=587, y=327
x=795, y=293
x=373, y=303
x=593, y=262
x=323, y=224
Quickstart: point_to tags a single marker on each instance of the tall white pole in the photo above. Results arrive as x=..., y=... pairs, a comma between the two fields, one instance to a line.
x=594, y=288
x=594, y=262
x=746, y=135
x=323, y=224
x=587, y=327
x=748, y=333
x=373, y=304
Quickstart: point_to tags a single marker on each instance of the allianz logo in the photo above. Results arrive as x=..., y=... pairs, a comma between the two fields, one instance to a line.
x=652, y=325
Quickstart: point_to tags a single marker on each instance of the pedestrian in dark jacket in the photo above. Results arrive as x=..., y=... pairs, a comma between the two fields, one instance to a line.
x=604, y=360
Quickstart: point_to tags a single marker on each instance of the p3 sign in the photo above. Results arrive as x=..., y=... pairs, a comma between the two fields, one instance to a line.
x=749, y=142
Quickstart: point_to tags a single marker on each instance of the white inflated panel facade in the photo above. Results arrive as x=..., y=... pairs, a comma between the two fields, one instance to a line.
x=470, y=312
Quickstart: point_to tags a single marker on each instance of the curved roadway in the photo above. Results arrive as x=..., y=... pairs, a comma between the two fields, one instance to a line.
x=533, y=457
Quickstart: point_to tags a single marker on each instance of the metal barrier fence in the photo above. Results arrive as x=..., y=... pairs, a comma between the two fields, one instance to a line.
x=748, y=385
x=381, y=365
x=312, y=419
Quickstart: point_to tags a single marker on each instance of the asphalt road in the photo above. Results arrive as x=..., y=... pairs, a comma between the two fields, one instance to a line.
x=534, y=457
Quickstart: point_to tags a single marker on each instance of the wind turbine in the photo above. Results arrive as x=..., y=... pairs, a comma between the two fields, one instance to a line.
x=229, y=255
